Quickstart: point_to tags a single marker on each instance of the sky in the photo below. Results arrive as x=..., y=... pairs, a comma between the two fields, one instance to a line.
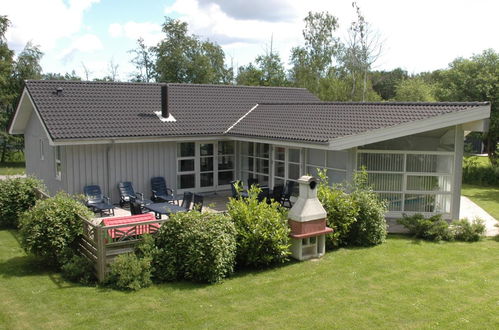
x=417, y=35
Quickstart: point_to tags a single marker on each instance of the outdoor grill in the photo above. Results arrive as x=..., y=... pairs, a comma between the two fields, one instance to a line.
x=307, y=220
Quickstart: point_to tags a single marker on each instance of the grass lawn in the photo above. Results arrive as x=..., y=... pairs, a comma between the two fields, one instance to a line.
x=404, y=283
x=486, y=197
x=12, y=168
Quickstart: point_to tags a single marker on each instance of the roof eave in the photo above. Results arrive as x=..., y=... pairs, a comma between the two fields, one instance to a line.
x=410, y=128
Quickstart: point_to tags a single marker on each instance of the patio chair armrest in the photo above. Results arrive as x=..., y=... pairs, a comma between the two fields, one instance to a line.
x=107, y=199
x=154, y=193
x=139, y=195
x=169, y=191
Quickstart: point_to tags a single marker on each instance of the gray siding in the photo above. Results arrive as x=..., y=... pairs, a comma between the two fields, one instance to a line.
x=135, y=162
x=139, y=162
x=42, y=169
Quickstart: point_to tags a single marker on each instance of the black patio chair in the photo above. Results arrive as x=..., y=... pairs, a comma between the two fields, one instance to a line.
x=135, y=208
x=197, y=202
x=251, y=182
x=96, y=201
x=160, y=191
x=286, y=196
x=264, y=194
x=128, y=194
x=237, y=190
x=277, y=193
x=187, y=200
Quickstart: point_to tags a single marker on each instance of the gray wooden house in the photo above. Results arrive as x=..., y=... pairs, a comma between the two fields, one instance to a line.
x=200, y=137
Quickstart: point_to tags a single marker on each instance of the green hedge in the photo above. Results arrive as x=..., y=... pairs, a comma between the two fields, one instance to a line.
x=130, y=272
x=51, y=228
x=262, y=231
x=194, y=246
x=17, y=195
x=477, y=170
x=437, y=229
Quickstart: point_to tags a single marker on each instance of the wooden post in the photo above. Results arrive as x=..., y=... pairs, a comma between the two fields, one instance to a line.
x=101, y=254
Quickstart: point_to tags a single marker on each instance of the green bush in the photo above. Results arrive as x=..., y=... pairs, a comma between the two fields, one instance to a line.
x=79, y=269
x=262, y=231
x=17, y=195
x=52, y=227
x=341, y=211
x=464, y=230
x=433, y=228
x=129, y=272
x=370, y=227
x=481, y=173
x=194, y=246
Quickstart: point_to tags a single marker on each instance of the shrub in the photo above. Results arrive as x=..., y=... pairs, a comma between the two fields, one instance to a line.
x=262, y=231
x=433, y=228
x=16, y=196
x=479, y=172
x=129, y=272
x=195, y=246
x=464, y=230
x=370, y=227
x=341, y=211
x=79, y=269
x=51, y=228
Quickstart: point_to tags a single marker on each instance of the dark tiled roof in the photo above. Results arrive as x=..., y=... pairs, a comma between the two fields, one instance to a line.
x=86, y=110
x=324, y=121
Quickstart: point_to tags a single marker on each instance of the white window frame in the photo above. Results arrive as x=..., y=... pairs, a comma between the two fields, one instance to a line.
x=286, y=162
x=197, y=167
x=404, y=191
x=255, y=159
x=324, y=163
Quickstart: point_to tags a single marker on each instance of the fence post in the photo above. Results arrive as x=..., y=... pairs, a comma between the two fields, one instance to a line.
x=101, y=254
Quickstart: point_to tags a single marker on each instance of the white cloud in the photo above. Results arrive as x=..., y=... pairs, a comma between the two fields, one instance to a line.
x=43, y=22
x=115, y=30
x=244, y=39
x=150, y=32
x=86, y=43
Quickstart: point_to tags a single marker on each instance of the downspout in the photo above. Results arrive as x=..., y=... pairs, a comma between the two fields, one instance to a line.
x=108, y=168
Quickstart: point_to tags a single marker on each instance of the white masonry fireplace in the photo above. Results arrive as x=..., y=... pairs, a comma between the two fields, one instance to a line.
x=307, y=220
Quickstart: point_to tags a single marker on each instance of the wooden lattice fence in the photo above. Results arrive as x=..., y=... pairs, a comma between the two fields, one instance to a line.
x=97, y=245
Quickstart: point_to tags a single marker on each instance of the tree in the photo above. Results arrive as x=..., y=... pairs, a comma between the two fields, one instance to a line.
x=414, y=90
x=144, y=62
x=187, y=59
x=12, y=76
x=385, y=82
x=362, y=50
x=312, y=62
x=474, y=79
x=113, y=70
x=58, y=76
x=268, y=72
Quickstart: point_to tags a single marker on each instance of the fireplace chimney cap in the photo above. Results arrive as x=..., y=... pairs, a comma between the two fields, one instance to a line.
x=307, y=207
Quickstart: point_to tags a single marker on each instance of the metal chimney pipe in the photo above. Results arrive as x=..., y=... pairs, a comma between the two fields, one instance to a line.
x=164, y=101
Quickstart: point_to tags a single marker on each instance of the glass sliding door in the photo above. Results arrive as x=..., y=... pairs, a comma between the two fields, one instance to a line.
x=287, y=165
x=186, y=165
x=226, y=161
x=205, y=166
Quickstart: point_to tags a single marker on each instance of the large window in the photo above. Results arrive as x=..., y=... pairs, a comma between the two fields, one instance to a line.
x=186, y=165
x=410, y=181
x=255, y=160
x=205, y=166
x=226, y=158
x=335, y=163
x=287, y=165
